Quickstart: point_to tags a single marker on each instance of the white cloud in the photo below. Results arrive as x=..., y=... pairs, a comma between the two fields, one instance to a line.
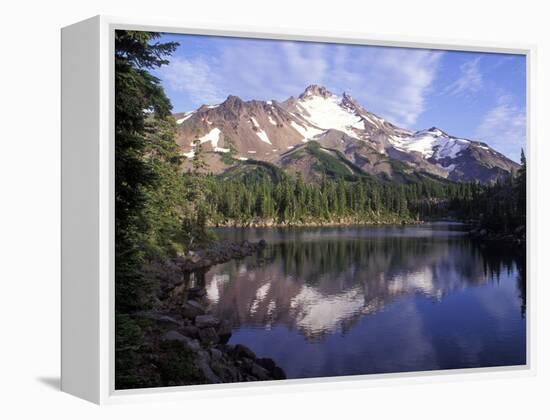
x=469, y=81
x=196, y=78
x=392, y=82
x=503, y=127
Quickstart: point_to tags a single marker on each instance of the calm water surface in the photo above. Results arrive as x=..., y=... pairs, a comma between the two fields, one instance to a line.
x=356, y=300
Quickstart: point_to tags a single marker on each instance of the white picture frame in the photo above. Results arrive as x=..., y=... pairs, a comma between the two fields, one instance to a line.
x=88, y=211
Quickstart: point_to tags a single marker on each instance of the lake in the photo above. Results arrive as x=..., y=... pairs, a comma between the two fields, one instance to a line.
x=359, y=300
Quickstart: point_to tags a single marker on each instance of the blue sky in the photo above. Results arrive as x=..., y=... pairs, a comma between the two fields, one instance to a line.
x=479, y=96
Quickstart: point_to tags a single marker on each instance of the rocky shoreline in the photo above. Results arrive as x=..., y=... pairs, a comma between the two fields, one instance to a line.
x=184, y=344
x=217, y=253
x=202, y=339
x=341, y=223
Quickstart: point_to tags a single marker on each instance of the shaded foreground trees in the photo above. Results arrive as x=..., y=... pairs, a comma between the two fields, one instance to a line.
x=146, y=162
x=152, y=204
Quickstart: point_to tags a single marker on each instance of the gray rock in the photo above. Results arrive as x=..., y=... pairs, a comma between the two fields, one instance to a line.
x=159, y=318
x=246, y=364
x=225, y=371
x=208, y=335
x=189, y=331
x=168, y=321
x=267, y=363
x=192, y=309
x=176, y=336
x=259, y=372
x=278, y=373
x=241, y=350
x=203, y=365
x=216, y=354
x=204, y=354
x=224, y=330
x=206, y=321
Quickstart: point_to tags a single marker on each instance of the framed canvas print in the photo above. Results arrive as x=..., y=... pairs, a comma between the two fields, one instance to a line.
x=243, y=209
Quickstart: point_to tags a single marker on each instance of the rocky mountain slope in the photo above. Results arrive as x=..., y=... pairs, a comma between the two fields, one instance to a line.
x=279, y=132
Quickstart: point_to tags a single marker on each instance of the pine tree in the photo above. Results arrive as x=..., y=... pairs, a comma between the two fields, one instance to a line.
x=521, y=189
x=137, y=93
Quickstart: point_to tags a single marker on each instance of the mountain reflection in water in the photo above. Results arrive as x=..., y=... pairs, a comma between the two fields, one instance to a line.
x=338, y=301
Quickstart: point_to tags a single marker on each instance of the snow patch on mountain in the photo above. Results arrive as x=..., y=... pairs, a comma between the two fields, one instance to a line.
x=307, y=132
x=263, y=136
x=328, y=112
x=254, y=122
x=185, y=117
x=259, y=132
x=213, y=137
x=432, y=143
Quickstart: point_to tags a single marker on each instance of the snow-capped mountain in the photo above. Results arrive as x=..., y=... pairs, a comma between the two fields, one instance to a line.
x=236, y=130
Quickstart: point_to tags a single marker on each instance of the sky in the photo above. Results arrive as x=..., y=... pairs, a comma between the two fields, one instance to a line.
x=478, y=96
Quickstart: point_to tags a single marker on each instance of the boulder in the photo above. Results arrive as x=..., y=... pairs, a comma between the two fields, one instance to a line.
x=259, y=372
x=192, y=309
x=267, y=363
x=216, y=354
x=241, y=350
x=278, y=373
x=167, y=321
x=203, y=364
x=176, y=336
x=160, y=318
x=206, y=321
x=226, y=371
x=224, y=330
x=189, y=331
x=208, y=335
x=246, y=364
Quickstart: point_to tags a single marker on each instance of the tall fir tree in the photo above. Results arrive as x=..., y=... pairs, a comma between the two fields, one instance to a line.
x=137, y=94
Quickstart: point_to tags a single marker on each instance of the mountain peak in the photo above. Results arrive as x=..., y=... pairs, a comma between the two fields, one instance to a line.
x=316, y=90
x=349, y=102
x=435, y=131
x=232, y=99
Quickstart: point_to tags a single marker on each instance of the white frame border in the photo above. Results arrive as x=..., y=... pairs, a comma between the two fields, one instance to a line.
x=107, y=393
